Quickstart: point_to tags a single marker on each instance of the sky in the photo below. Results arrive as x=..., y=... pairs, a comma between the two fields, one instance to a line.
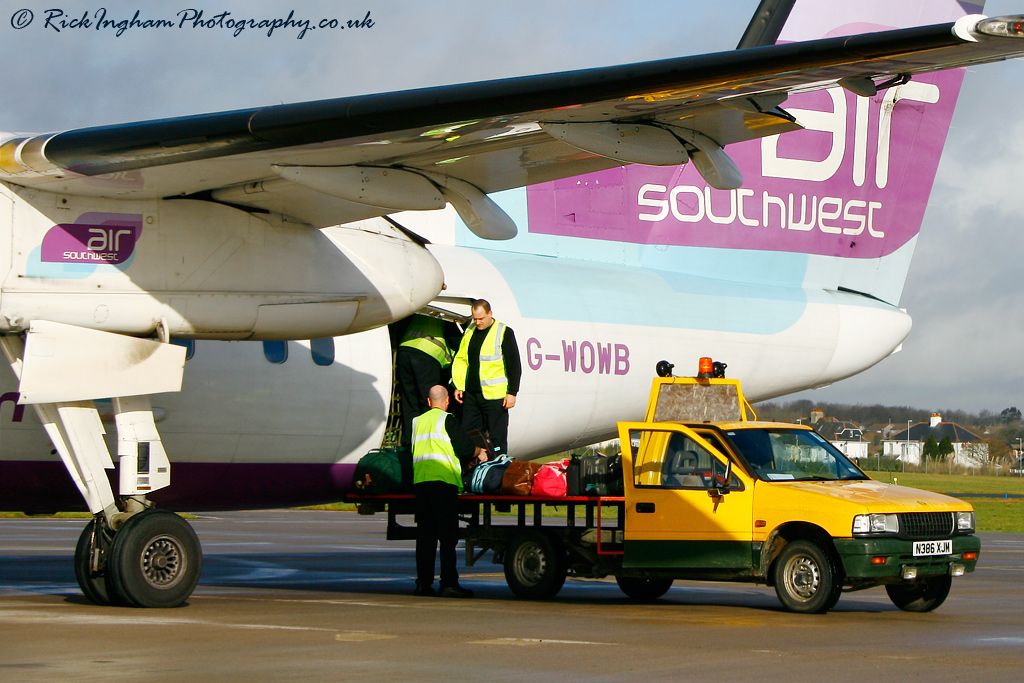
x=964, y=287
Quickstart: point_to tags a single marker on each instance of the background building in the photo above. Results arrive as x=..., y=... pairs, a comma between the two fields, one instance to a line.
x=908, y=445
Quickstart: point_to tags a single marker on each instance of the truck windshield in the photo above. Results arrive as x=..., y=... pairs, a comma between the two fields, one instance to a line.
x=792, y=455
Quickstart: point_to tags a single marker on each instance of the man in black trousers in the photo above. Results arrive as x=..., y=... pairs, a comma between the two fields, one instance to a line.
x=486, y=374
x=440, y=448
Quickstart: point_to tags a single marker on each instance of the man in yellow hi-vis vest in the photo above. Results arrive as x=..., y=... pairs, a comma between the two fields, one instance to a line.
x=439, y=448
x=486, y=373
x=422, y=361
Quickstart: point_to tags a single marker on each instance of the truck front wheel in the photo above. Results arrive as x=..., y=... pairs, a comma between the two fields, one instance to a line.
x=535, y=566
x=806, y=579
x=922, y=595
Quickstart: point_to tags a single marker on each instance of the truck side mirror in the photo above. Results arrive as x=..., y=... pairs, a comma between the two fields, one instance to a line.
x=722, y=488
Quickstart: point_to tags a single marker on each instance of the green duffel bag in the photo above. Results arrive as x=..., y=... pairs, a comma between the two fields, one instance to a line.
x=383, y=471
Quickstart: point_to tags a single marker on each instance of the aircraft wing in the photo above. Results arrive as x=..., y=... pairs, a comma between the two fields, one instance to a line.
x=340, y=160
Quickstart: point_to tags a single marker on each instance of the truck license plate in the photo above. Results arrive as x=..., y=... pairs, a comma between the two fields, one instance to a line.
x=922, y=548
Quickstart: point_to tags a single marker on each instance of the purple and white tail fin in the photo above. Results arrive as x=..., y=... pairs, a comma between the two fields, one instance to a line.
x=835, y=206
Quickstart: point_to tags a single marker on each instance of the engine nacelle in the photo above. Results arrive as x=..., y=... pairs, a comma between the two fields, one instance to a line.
x=201, y=269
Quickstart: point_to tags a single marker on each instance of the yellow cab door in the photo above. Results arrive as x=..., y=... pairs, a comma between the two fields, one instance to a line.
x=672, y=520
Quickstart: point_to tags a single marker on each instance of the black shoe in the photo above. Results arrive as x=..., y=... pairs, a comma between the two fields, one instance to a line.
x=424, y=591
x=455, y=591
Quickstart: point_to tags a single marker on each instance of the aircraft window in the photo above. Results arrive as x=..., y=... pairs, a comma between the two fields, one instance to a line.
x=275, y=351
x=189, y=344
x=323, y=350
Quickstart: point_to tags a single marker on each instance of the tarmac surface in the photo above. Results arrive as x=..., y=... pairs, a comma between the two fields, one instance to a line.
x=307, y=595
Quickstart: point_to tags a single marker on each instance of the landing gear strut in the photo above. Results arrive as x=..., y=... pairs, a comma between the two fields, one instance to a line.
x=90, y=561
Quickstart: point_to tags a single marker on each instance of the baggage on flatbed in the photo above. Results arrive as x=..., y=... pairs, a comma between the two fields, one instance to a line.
x=550, y=479
x=518, y=479
x=486, y=477
x=573, y=479
x=600, y=475
x=383, y=471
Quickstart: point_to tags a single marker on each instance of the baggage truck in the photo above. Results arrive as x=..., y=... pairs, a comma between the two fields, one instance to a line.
x=710, y=493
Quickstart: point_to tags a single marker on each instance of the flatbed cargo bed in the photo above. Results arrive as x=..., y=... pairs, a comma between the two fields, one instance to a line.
x=597, y=532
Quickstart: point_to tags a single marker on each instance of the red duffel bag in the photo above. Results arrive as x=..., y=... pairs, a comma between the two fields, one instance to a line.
x=550, y=479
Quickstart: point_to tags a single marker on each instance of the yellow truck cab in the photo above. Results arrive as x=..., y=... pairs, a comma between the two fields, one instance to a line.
x=711, y=493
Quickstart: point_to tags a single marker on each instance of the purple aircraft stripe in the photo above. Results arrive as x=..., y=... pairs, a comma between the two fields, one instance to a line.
x=27, y=486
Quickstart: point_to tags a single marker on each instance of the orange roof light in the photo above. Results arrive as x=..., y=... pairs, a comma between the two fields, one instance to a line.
x=705, y=368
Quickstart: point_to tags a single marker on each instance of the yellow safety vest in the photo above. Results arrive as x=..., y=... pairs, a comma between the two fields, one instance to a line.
x=426, y=334
x=493, y=382
x=433, y=458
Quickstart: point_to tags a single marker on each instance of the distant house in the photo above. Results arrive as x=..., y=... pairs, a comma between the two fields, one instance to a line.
x=846, y=436
x=908, y=445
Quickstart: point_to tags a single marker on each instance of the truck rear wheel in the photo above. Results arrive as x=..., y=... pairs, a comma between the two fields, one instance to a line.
x=922, y=595
x=535, y=566
x=806, y=579
x=643, y=589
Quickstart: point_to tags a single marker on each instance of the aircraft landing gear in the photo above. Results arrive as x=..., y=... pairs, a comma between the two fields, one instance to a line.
x=129, y=554
x=153, y=560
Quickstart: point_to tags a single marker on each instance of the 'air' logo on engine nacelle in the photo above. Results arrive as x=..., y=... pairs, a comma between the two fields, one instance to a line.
x=110, y=239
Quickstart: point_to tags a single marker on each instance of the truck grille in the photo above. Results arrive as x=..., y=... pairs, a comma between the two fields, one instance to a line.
x=926, y=524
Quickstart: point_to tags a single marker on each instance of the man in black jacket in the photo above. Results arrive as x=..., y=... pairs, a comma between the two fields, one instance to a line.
x=486, y=374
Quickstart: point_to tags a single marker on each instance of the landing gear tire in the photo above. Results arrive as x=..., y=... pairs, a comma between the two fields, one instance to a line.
x=643, y=589
x=154, y=561
x=535, y=566
x=806, y=579
x=92, y=583
x=922, y=595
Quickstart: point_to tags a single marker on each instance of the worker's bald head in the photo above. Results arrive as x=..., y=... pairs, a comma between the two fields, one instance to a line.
x=438, y=397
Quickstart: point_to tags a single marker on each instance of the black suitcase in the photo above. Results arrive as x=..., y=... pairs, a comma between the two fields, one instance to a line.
x=594, y=475
x=616, y=487
x=573, y=481
x=600, y=475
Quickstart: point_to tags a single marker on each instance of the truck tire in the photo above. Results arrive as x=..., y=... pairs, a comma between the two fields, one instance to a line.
x=922, y=595
x=806, y=579
x=535, y=566
x=643, y=589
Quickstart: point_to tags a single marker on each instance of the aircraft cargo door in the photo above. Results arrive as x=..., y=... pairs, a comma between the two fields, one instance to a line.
x=671, y=520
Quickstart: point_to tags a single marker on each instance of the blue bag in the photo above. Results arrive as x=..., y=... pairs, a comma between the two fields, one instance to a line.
x=487, y=477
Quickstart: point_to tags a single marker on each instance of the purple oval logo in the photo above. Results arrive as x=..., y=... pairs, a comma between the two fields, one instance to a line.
x=99, y=238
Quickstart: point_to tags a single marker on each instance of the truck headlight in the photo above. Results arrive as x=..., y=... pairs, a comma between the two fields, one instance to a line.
x=965, y=521
x=876, y=524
